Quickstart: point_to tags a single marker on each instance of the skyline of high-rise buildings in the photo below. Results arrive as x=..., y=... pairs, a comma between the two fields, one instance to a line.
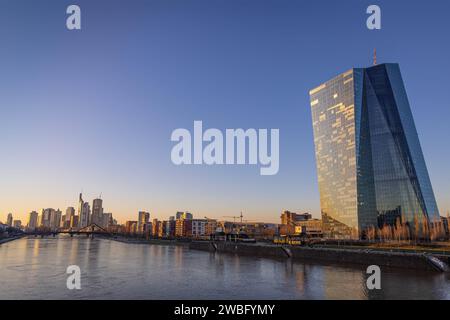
x=53, y=219
x=370, y=166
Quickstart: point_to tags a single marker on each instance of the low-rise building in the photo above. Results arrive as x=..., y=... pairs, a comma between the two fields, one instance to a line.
x=211, y=227
x=199, y=228
x=300, y=224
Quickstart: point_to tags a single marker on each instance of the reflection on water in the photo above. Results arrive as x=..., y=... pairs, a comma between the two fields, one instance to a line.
x=36, y=269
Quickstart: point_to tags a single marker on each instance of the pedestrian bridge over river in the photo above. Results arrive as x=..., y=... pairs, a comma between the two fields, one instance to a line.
x=90, y=230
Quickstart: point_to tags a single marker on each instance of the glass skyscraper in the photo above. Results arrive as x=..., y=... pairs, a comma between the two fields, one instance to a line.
x=370, y=166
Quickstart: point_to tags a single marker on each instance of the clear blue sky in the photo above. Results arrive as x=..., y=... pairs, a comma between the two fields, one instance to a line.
x=93, y=110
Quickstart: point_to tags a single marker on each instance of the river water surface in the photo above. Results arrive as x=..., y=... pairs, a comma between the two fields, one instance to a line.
x=35, y=268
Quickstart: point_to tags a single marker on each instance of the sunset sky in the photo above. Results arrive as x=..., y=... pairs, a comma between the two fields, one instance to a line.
x=93, y=110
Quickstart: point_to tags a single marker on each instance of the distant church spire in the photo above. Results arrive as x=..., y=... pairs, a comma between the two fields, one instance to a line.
x=375, y=56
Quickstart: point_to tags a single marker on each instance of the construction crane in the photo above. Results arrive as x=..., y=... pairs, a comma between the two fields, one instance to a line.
x=235, y=217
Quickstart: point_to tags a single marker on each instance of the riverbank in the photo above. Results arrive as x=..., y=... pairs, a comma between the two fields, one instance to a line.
x=404, y=260
x=5, y=240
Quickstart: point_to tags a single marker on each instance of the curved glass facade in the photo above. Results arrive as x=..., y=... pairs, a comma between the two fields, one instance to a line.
x=370, y=165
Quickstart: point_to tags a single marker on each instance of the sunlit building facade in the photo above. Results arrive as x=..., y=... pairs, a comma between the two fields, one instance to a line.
x=33, y=220
x=143, y=219
x=370, y=165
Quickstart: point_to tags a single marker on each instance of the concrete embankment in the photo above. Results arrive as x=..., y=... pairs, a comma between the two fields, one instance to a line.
x=366, y=257
x=5, y=240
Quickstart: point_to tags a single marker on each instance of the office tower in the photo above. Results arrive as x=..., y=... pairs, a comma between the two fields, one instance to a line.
x=84, y=217
x=97, y=212
x=107, y=220
x=46, y=218
x=70, y=213
x=74, y=221
x=370, y=166
x=33, y=220
x=143, y=219
x=9, y=220
x=55, y=219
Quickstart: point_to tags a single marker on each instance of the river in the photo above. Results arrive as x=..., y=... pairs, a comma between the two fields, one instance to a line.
x=35, y=268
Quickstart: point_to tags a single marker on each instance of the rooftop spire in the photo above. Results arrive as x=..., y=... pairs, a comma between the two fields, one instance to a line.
x=375, y=56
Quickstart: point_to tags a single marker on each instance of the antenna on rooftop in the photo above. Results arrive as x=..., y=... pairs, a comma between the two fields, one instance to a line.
x=375, y=56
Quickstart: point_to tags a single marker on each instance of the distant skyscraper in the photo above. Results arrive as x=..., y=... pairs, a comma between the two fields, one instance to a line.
x=85, y=216
x=55, y=219
x=46, y=218
x=107, y=220
x=83, y=212
x=97, y=212
x=74, y=221
x=80, y=211
x=143, y=219
x=370, y=166
x=70, y=212
x=9, y=220
x=33, y=220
